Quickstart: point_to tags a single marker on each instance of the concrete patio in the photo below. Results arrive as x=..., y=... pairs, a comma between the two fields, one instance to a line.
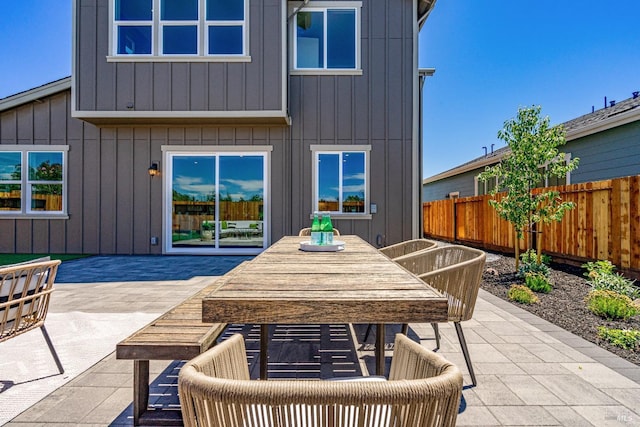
x=529, y=371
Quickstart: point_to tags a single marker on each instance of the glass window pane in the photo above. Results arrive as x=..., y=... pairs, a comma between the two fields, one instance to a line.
x=179, y=10
x=341, y=38
x=225, y=40
x=180, y=39
x=10, y=197
x=328, y=182
x=134, y=10
x=134, y=40
x=225, y=10
x=241, y=201
x=10, y=166
x=45, y=166
x=353, y=182
x=46, y=197
x=310, y=40
x=193, y=201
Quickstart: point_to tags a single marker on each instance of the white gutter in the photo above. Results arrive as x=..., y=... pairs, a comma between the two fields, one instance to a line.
x=35, y=94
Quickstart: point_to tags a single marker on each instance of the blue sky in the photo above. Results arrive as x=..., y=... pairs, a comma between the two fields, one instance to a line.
x=491, y=57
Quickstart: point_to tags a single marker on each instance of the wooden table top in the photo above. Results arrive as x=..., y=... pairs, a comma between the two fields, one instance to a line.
x=289, y=286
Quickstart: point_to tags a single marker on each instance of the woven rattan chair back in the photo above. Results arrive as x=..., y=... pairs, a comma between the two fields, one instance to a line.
x=307, y=232
x=25, y=291
x=407, y=247
x=423, y=390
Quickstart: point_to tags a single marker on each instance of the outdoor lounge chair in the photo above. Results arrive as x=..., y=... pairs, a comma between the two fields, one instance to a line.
x=307, y=232
x=25, y=290
x=215, y=390
x=407, y=247
x=456, y=271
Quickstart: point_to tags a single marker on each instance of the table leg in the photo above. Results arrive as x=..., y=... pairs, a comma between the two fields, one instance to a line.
x=264, y=347
x=140, y=389
x=380, y=349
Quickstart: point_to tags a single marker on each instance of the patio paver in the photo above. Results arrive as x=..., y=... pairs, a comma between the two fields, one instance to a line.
x=529, y=371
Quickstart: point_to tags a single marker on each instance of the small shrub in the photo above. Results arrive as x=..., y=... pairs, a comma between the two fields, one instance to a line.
x=625, y=338
x=522, y=294
x=531, y=256
x=611, y=305
x=537, y=283
x=602, y=276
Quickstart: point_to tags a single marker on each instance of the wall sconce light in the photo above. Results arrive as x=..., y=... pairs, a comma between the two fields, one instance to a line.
x=153, y=169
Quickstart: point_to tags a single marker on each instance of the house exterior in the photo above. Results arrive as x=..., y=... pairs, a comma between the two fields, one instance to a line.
x=606, y=141
x=217, y=127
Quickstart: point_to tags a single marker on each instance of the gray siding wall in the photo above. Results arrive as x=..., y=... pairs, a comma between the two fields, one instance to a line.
x=463, y=183
x=114, y=206
x=375, y=109
x=178, y=86
x=610, y=154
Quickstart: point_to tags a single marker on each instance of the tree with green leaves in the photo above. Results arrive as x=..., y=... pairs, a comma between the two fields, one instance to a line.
x=534, y=157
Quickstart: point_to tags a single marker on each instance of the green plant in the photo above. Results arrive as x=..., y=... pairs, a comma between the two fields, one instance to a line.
x=534, y=157
x=611, y=305
x=537, y=283
x=522, y=294
x=206, y=225
x=625, y=338
x=533, y=268
x=602, y=276
x=531, y=257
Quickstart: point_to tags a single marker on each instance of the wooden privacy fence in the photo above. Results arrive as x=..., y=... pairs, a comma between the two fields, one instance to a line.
x=604, y=224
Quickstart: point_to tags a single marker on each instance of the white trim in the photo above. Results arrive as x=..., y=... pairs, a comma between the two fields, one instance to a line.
x=323, y=6
x=416, y=188
x=168, y=151
x=178, y=58
x=26, y=183
x=179, y=114
x=605, y=124
x=35, y=94
x=317, y=149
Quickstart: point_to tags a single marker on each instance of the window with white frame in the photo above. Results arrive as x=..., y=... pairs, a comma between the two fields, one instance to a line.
x=32, y=180
x=326, y=36
x=151, y=28
x=341, y=179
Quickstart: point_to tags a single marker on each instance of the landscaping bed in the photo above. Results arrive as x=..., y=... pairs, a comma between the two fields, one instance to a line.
x=564, y=306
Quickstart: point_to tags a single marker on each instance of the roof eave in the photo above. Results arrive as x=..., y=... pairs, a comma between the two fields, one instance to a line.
x=35, y=94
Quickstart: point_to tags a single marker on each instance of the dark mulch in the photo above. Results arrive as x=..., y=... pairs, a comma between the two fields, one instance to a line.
x=564, y=306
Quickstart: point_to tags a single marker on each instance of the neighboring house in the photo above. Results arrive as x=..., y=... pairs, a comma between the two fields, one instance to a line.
x=217, y=127
x=606, y=141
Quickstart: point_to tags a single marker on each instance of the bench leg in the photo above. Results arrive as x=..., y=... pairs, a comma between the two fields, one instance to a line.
x=140, y=389
x=51, y=349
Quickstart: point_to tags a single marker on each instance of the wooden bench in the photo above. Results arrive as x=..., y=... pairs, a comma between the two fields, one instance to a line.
x=179, y=334
x=25, y=292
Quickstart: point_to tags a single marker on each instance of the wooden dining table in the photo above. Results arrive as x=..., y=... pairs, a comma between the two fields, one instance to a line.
x=358, y=284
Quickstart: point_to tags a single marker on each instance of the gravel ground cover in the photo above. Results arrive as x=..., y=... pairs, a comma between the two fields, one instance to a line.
x=564, y=306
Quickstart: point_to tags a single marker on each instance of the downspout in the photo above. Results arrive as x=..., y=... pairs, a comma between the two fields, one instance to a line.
x=423, y=73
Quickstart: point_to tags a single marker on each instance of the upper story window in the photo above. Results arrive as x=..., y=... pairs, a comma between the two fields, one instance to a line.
x=326, y=38
x=341, y=179
x=32, y=180
x=179, y=28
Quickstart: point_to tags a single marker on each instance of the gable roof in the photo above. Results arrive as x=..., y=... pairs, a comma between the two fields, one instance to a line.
x=616, y=115
x=35, y=94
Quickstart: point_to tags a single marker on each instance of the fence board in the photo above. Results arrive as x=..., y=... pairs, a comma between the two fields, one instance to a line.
x=605, y=224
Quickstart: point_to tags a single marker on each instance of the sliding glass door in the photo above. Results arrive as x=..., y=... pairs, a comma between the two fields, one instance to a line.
x=215, y=202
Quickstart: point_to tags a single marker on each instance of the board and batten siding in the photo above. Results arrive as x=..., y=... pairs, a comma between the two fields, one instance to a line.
x=374, y=109
x=114, y=206
x=178, y=86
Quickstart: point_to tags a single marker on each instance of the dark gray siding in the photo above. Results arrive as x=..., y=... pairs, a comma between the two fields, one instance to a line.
x=463, y=183
x=178, y=86
x=613, y=153
x=372, y=109
x=114, y=206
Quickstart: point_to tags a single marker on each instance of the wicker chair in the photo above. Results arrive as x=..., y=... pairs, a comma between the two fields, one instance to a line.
x=215, y=390
x=25, y=290
x=456, y=271
x=307, y=232
x=407, y=247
